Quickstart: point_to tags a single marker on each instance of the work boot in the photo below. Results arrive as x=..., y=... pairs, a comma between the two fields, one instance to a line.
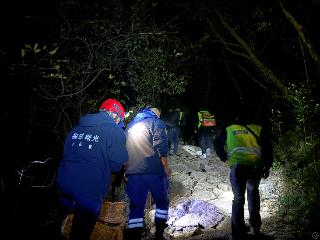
x=243, y=236
x=132, y=234
x=203, y=156
x=159, y=230
x=254, y=231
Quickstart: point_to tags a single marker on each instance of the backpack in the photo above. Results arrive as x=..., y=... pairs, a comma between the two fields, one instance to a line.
x=208, y=119
x=171, y=119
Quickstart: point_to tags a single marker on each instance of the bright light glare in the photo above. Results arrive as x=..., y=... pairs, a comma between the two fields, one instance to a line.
x=138, y=139
x=137, y=130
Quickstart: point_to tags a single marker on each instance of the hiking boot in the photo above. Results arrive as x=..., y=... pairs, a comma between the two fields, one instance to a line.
x=209, y=152
x=203, y=156
x=133, y=234
x=160, y=230
x=237, y=237
x=254, y=231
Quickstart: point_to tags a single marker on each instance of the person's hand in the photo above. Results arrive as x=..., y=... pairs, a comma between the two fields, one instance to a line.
x=166, y=167
x=265, y=173
x=168, y=171
x=226, y=163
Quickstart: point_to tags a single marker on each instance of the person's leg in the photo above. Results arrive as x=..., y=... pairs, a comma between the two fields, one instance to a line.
x=176, y=140
x=209, y=142
x=159, y=190
x=65, y=206
x=137, y=191
x=238, y=184
x=202, y=142
x=253, y=197
x=85, y=216
x=170, y=140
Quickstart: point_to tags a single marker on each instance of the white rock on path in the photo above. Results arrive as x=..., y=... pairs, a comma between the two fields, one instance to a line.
x=208, y=180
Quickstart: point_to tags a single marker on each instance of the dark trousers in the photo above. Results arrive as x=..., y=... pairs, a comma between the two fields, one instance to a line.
x=85, y=212
x=173, y=138
x=137, y=189
x=205, y=138
x=245, y=178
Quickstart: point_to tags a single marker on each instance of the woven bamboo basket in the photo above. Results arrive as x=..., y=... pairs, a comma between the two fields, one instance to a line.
x=110, y=225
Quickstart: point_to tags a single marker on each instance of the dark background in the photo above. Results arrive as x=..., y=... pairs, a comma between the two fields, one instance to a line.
x=215, y=85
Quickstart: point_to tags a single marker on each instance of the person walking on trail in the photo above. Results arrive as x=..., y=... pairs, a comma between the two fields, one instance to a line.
x=205, y=128
x=93, y=150
x=249, y=156
x=147, y=170
x=175, y=121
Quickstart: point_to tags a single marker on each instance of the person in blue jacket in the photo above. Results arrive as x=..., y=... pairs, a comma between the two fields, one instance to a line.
x=147, y=170
x=93, y=150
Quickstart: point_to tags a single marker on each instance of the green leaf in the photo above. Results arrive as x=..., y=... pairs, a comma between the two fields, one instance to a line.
x=28, y=46
x=53, y=51
x=35, y=47
x=23, y=52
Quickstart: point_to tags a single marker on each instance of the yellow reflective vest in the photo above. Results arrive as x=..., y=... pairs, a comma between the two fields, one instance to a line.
x=206, y=119
x=242, y=145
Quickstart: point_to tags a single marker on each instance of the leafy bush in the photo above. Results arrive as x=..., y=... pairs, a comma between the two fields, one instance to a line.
x=297, y=153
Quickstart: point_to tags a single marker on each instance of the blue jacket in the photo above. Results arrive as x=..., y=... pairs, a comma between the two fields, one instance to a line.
x=147, y=142
x=92, y=151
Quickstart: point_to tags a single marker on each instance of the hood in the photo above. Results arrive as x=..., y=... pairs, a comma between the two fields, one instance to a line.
x=144, y=114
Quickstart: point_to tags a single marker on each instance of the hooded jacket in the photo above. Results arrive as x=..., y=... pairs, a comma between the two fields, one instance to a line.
x=147, y=142
x=93, y=150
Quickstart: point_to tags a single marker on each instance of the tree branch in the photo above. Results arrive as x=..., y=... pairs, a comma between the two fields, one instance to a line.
x=267, y=72
x=300, y=30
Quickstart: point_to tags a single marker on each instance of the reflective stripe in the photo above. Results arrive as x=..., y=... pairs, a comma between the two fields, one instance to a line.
x=256, y=151
x=135, y=223
x=180, y=115
x=135, y=220
x=163, y=214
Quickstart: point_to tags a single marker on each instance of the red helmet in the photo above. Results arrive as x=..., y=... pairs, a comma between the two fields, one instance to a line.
x=113, y=105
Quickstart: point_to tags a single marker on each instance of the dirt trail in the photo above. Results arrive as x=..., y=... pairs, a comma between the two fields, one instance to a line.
x=209, y=179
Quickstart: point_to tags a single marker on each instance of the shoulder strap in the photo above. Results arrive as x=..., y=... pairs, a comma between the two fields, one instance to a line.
x=252, y=132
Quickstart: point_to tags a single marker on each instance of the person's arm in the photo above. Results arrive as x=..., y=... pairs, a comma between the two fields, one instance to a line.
x=160, y=142
x=117, y=152
x=165, y=164
x=183, y=120
x=267, y=151
x=219, y=145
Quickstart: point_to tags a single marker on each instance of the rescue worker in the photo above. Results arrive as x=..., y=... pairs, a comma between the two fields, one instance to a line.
x=93, y=149
x=147, y=170
x=205, y=129
x=249, y=156
x=175, y=121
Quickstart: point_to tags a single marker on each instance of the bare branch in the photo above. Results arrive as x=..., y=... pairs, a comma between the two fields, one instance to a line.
x=305, y=38
x=267, y=72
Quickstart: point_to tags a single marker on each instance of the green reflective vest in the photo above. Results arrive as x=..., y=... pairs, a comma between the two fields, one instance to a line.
x=242, y=146
x=180, y=116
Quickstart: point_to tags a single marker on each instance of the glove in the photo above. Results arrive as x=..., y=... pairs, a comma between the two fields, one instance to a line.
x=265, y=173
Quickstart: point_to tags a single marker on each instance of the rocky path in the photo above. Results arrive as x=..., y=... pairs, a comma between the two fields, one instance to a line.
x=205, y=183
